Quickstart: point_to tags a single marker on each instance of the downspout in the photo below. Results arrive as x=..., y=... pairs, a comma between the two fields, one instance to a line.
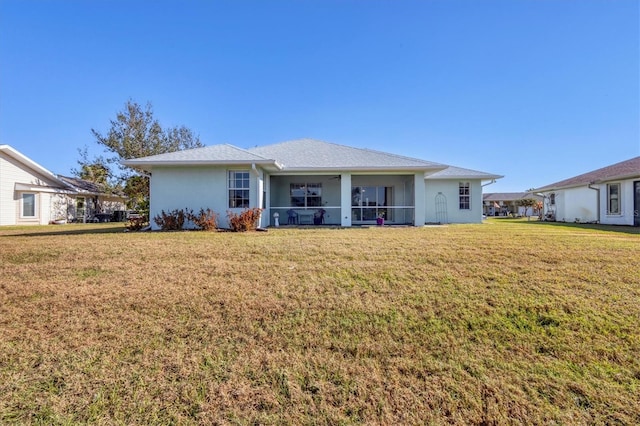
x=597, y=201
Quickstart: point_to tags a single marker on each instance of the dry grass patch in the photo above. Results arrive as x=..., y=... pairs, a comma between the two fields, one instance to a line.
x=508, y=322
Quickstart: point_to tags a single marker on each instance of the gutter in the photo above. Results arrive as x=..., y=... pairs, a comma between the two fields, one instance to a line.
x=489, y=183
x=597, y=189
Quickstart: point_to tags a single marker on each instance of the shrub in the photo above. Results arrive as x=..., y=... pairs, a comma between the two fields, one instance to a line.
x=207, y=220
x=245, y=221
x=136, y=223
x=173, y=220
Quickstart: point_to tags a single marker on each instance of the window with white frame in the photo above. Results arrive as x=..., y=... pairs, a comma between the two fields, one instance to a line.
x=464, y=195
x=613, y=198
x=552, y=199
x=28, y=205
x=238, y=189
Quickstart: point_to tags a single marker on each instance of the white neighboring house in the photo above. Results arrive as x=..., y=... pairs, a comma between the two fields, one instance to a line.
x=307, y=181
x=32, y=195
x=610, y=195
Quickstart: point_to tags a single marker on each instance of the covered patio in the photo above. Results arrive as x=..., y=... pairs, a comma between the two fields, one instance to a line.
x=359, y=199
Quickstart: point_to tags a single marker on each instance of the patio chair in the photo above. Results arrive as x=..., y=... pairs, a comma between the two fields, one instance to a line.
x=318, y=217
x=292, y=217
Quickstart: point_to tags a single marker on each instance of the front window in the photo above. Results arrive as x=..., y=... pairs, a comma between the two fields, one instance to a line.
x=28, y=205
x=306, y=194
x=552, y=199
x=238, y=189
x=464, y=196
x=613, y=198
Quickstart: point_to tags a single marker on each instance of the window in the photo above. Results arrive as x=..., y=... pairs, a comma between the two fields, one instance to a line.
x=28, y=205
x=306, y=194
x=613, y=198
x=464, y=196
x=238, y=189
x=552, y=199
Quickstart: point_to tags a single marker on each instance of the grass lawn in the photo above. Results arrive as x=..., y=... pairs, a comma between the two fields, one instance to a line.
x=500, y=323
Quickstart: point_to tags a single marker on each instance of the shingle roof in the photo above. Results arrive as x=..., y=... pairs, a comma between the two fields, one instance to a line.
x=509, y=196
x=623, y=170
x=222, y=153
x=85, y=186
x=81, y=184
x=308, y=155
x=314, y=154
x=452, y=172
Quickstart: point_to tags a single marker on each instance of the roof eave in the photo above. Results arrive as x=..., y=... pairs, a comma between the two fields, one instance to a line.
x=148, y=165
x=362, y=169
x=480, y=177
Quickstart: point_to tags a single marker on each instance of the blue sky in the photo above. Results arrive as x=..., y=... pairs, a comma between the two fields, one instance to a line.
x=537, y=91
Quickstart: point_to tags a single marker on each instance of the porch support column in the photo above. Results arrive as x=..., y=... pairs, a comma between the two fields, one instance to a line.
x=345, y=199
x=259, y=198
x=419, y=200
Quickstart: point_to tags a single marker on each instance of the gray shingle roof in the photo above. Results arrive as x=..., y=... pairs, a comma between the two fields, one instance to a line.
x=452, y=172
x=85, y=186
x=308, y=155
x=210, y=154
x=623, y=170
x=314, y=154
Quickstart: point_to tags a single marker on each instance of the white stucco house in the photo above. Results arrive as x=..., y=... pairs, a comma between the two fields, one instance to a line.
x=307, y=181
x=32, y=195
x=610, y=195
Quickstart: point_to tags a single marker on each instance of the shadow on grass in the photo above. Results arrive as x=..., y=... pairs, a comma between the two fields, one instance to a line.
x=607, y=228
x=57, y=230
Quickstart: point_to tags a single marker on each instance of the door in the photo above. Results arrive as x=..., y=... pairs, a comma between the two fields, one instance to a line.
x=636, y=203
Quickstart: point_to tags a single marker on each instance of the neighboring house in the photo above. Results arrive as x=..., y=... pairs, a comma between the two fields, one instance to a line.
x=32, y=195
x=610, y=195
x=507, y=203
x=91, y=201
x=308, y=181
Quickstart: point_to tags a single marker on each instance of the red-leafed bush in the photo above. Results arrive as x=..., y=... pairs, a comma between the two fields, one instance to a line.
x=171, y=221
x=206, y=220
x=246, y=220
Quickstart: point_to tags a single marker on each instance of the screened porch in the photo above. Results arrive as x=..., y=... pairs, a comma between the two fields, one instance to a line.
x=317, y=200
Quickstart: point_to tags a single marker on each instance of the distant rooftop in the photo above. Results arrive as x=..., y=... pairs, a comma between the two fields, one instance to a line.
x=623, y=170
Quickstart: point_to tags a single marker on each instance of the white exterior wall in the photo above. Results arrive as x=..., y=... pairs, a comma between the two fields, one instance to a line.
x=188, y=187
x=626, y=204
x=450, y=189
x=199, y=187
x=579, y=203
x=12, y=172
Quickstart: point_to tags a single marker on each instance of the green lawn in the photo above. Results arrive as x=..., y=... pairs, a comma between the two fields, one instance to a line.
x=505, y=322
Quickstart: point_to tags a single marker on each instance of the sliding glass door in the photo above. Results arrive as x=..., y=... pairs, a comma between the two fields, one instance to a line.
x=371, y=202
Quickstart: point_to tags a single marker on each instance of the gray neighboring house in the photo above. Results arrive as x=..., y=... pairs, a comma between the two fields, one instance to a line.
x=609, y=195
x=507, y=203
x=311, y=182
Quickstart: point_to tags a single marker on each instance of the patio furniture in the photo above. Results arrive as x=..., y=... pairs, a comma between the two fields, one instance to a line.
x=318, y=217
x=292, y=217
x=305, y=217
